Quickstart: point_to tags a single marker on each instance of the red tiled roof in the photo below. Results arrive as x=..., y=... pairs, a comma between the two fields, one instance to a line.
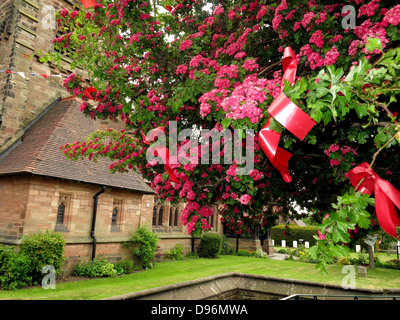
x=38, y=151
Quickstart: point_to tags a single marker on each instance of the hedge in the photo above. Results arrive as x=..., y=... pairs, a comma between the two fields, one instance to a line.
x=293, y=233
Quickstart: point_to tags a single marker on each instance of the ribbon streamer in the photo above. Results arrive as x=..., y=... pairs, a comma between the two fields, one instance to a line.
x=88, y=3
x=288, y=115
x=87, y=92
x=160, y=151
x=387, y=197
x=22, y=74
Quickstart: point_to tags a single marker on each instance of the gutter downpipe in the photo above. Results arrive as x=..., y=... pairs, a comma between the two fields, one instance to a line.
x=95, y=197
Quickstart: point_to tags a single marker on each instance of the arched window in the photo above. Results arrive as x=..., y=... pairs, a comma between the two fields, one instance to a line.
x=154, y=215
x=176, y=217
x=173, y=217
x=158, y=214
x=60, y=213
x=116, y=216
x=61, y=220
x=171, y=210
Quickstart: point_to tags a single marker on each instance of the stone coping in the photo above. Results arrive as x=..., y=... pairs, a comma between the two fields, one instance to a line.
x=216, y=286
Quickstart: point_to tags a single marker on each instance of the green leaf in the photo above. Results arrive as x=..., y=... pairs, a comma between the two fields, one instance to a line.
x=362, y=137
x=374, y=44
x=165, y=176
x=226, y=122
x=275, y=126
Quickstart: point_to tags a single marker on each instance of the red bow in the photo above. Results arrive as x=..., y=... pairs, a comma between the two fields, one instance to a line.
x=88, y=91
x=88, y=3
x=287, y=114
x=160, y=151
x=387, y=197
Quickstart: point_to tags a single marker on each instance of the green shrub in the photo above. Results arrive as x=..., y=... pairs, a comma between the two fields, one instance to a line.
x=125, y=266
x=294, y=233
x=343, y=261
x=210, y=245
x=246, y=253
x=360, y=260
x=390, y=264
x=98, y=267
x=226, y=248
x=15, y=270
x=43, y=249
x=144, y=246
x=176, y=253
x=191, y=255
x=261, y=254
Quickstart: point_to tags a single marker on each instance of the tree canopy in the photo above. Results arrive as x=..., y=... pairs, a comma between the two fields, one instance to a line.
x=216, y=65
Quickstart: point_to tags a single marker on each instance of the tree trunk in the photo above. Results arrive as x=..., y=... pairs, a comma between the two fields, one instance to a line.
x=371, y=257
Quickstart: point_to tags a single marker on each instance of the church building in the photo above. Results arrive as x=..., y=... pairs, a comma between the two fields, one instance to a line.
x=40, y=189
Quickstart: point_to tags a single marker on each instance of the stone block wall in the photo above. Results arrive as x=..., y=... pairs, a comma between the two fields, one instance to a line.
x=30, y=203
x=14, y=194
x=25, y=35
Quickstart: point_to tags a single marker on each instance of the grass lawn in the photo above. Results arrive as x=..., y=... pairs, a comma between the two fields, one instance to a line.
x=178, y=271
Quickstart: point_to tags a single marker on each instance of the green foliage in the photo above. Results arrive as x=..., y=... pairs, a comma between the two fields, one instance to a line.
x=144, y=246
x=226, y=248
x=15, y=269
x=343, y=261
x=210, y=245
x=351, y=92
x=191, y=255
x=350, y=211
x=293, y=233
x=176, y=253
x=98, y=267
x=390, y=264
x=125, y=266
x=43, y=249
x=246, y=253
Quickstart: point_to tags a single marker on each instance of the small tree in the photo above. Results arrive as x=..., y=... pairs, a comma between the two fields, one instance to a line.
x=43, y=249
x=144, y=246
x=210, y=245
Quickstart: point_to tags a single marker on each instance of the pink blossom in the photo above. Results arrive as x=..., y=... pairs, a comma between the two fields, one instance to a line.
x=182, y=69
x=317, y=39
x=74, y=14
x=307, y=18
x=392, y=16
x=250, y=65
x=240, y=55
x=245, y=199
x=368, y=9
x=321, y=236
x=186, y=44
x=232, y=15
x=64, y=12
x=334, y=162
x=331, y=56
x=218, y=10
x=262, y=12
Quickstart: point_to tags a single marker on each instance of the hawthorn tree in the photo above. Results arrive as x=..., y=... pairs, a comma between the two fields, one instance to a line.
x=215, y=65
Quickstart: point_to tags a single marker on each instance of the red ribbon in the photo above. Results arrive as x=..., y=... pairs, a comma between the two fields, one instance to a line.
x=387, y=197
x=87, y=92
x=88, y=3
x=287, y=114
x=160, y=151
